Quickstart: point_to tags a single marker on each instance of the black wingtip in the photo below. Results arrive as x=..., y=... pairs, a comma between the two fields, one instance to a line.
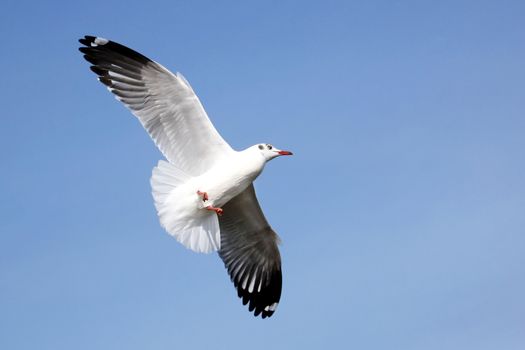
x=263, y=302
x=106, y=81
x=263, y=292
x=95, y=43
x=99, y=71
x=87, y=40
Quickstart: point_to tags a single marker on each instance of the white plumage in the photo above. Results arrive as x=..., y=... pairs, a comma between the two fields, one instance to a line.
x=203, y=194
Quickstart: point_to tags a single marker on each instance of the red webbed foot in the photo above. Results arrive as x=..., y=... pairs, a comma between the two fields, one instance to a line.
x=219, y=211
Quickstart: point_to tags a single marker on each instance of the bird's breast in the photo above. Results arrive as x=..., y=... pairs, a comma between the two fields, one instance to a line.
x=228, y=179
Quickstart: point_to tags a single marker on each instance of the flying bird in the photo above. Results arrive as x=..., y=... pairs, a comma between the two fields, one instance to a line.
x=204, y=192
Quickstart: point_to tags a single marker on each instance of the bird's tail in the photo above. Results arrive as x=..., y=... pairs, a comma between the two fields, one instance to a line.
x=180, y=210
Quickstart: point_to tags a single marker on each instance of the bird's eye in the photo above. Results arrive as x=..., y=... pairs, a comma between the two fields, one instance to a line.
x=269, y=146
x=261, y=147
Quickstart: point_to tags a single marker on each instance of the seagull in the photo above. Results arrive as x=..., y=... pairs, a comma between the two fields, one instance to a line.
x=203, y=193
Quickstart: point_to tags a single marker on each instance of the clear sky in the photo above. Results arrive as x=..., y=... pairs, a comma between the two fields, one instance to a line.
x=402, y=212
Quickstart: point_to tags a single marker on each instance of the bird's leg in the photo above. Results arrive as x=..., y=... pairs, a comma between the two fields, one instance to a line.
x=204, y=195
x=219, y=211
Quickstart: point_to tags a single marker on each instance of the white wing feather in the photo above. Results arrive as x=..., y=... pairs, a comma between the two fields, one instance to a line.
x=165, y=104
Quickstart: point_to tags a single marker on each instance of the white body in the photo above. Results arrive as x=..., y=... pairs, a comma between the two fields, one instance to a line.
x=182, y=212
x=229, y=178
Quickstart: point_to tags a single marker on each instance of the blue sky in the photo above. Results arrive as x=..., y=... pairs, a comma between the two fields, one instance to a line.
x=401, y=212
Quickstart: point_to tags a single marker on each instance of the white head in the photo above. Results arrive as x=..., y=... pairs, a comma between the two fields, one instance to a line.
x=269, y=152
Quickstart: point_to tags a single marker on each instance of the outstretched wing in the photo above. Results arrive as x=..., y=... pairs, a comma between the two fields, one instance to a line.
x=164, y=103
x=249, y=252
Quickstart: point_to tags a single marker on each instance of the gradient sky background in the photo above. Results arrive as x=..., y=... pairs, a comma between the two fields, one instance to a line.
x=402, y=213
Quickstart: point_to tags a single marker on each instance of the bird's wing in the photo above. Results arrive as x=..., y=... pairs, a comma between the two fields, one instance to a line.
x=164, y=103
x=250, y=254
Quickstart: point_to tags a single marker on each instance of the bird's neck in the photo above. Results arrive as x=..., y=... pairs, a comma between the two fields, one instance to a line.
x=252, y=164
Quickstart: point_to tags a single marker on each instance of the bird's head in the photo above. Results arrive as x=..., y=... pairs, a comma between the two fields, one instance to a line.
x=269, y=152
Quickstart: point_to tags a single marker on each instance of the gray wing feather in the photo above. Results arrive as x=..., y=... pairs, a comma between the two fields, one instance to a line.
x=250, y=254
